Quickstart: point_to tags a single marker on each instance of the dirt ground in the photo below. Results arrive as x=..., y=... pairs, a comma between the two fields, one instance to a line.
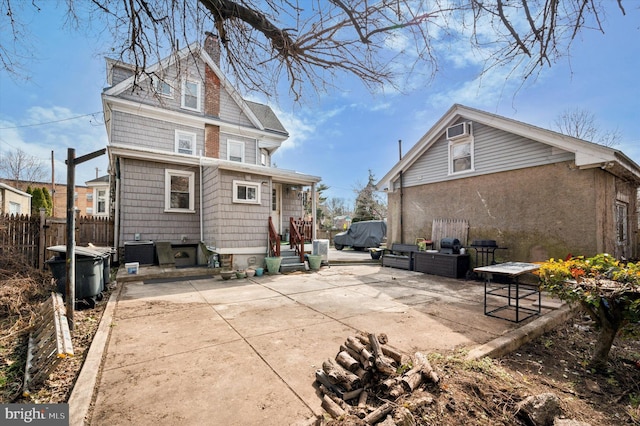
x=484, y=392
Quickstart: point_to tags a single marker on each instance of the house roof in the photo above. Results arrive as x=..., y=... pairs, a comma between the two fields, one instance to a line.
x=260, y=115
x=587, y=154
x=15, y=190
x=97, y=181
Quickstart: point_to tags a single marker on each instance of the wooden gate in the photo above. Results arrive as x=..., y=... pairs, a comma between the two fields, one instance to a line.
x=449, y=228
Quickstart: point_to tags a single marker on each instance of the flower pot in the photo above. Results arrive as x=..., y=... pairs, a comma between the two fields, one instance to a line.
x=259, y=272
x=315, y=260
x=273, y=264
x=226, y=274
x=241, y=274
x=250, y=272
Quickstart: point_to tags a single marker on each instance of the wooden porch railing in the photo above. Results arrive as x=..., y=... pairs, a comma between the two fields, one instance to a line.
x=274, y=240
x=296, y=241
x=304, y=227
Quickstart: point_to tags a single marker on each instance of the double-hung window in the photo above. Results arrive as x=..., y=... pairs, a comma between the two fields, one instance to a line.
x=461, y=156
x=246, y=192
x=101, y=202
x=191, y=95
x=163, y=88
x=179, y=191
x=185, y=142
x=235, y=151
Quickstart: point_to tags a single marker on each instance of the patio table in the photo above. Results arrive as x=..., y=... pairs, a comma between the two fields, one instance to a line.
x=513, y=291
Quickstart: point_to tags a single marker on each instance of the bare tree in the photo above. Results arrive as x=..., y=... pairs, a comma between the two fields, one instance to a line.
x=582, y=124
x=20, y=166
x=311, y=42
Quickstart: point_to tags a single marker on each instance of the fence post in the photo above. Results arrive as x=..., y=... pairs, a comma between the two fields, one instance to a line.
x=41, y=244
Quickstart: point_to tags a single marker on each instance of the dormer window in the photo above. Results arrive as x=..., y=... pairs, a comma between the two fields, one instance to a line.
x=191, y=95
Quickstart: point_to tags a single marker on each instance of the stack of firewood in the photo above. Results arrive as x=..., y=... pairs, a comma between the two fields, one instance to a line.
x=365, y=367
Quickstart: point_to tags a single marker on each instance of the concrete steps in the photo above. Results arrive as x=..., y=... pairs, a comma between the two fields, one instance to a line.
x=290, y=262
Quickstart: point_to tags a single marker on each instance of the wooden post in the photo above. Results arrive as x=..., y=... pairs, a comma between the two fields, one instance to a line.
x=41, y=244
x=70, y=291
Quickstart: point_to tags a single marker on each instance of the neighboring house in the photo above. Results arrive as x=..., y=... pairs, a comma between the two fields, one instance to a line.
x=83, y=196
x=539, y=193
x=99, y=197
x=342, y=223
x=13, y=201
x=191, y=159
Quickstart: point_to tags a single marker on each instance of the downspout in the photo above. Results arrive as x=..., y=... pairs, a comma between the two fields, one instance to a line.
x=116, y=219
x=201, y=202
x=314, y=215
x=401, y=195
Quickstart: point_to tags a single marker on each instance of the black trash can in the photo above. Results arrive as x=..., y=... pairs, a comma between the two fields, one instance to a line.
x=91, y=266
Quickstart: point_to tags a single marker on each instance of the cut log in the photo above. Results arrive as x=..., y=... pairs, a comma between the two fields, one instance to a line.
x=411, y=379
x=362, y=399
x=389, y=384
x=345, y=360
x=394, y=354
x=351, y=352
x=427, y=370
x=397, y=391
x=354, y=344
x=335, y=389
x=331, y=407
x=381, y=363
x=337, y=374
x=364, y=375
x=378, y=413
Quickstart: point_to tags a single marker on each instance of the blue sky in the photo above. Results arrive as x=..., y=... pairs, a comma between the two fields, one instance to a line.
x=339, y=135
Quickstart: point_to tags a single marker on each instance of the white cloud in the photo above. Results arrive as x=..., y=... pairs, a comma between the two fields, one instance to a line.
x=47, y=129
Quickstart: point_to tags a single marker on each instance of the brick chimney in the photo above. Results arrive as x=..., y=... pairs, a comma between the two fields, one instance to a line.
x=212, y=97
x=212, y=47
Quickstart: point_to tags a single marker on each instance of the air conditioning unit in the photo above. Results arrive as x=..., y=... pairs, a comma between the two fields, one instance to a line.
x=458, y=131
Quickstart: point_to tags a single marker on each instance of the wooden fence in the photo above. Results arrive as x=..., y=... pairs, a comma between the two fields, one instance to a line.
x=29, y=236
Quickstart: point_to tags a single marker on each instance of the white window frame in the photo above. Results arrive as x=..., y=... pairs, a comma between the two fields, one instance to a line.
x=182, y=135
x=90, y=210
x=248, y=184
x=97, y=199
x=231, y=142
x=168, y=173
x=159, y=85
x=15, y=208
x=452, y=146
x=198, y=95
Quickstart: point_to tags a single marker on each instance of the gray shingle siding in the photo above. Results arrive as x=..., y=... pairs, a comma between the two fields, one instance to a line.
x=245, y=225
x=249, y=147
x=146, y=132
x=142, y=204
x=494, y=151
x=230, y=111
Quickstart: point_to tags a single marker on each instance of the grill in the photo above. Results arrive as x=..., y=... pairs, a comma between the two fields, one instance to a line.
x=485, y=252
x=450, y=246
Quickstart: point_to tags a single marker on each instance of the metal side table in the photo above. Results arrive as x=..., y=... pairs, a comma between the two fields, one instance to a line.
x=513, y=291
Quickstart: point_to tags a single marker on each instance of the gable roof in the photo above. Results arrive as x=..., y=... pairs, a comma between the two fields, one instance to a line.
x=14, y=190
x=255, y=112
x=586, y=154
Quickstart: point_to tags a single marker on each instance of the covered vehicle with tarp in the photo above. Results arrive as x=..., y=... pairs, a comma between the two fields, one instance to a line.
x=362, y=235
